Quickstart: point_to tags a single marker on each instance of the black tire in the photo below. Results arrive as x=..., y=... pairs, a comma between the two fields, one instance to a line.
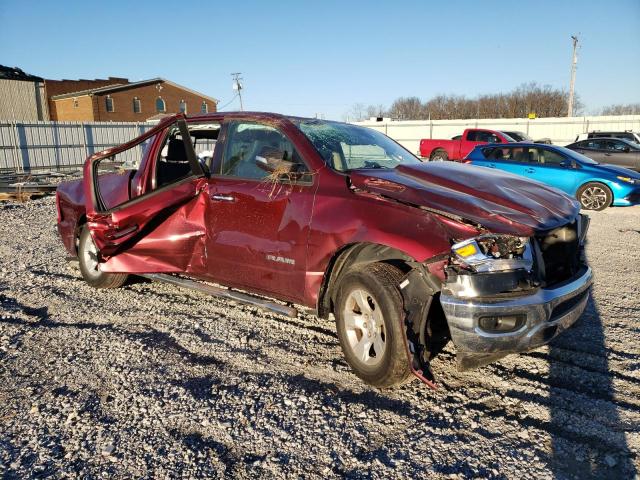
x=439, y=155
x=87, y=258
x=380, y=282
x=594, y=196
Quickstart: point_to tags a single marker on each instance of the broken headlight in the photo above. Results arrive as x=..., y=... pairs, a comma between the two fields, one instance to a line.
x=494, y=253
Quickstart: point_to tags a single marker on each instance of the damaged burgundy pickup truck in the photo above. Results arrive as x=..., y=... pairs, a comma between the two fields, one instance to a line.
x=287, y=213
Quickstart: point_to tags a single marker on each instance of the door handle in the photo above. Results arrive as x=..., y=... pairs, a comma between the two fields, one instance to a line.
x=529, y=170
x=219, y=197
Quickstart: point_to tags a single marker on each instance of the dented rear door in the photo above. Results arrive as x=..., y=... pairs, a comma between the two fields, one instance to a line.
x=155, y=230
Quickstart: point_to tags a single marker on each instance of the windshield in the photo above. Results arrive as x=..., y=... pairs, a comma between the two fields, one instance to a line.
x=518, y=136
x=578, y=156
x=634, y=145
x=347, y=147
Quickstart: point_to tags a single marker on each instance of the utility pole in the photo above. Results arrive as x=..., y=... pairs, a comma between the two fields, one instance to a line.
x=572, y=85
x=238, y=86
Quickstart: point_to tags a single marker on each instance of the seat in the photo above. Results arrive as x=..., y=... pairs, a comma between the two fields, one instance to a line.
x=175, y=165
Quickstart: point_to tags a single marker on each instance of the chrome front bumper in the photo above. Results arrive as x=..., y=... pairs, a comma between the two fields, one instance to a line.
x=548, y=313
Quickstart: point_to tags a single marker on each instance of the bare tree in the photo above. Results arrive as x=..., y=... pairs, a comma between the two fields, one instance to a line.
x=356, y=113
x=407, y=108
x=543, y=100
x=628, y=109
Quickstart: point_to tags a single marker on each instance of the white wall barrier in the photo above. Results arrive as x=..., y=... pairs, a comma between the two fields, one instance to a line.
x=561, y=130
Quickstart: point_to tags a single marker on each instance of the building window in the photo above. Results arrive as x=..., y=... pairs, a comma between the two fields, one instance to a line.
x=75, y=103
x=137, y=107
x=160, y=105
x=108, y=102
x=204, y=108
x=183, y=107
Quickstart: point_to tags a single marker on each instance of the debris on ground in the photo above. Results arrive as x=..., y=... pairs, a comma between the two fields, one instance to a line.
x=26, y=186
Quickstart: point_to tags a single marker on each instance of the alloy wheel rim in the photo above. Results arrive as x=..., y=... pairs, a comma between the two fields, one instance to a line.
x=364, y=324
x=90, y=257
x=593, y=198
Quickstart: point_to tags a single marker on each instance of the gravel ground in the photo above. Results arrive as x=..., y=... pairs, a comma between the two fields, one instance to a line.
x=153, y=381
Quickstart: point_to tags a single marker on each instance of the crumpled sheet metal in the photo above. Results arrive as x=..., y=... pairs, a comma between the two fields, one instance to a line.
x=339, y=222
x=499, y=201
x=176, y=245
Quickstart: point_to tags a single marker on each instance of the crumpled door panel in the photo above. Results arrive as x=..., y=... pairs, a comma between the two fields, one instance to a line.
x=173, y=243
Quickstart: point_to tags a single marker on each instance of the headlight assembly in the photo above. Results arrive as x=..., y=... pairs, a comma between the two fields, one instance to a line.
x=494, y=253
x=630, y=180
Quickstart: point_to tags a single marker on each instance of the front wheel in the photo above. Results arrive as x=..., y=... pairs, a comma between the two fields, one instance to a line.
x=594, y=196
x=369, y=320
x=90, y=268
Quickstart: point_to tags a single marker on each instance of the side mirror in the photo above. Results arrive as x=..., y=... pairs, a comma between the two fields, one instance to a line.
x=272, y=160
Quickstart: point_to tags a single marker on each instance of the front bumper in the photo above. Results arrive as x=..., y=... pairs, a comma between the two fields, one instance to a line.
x=548, y=312
x=629, y=199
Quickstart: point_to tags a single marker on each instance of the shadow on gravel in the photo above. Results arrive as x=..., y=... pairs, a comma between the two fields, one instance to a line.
x=151, y=338
x=580, y=455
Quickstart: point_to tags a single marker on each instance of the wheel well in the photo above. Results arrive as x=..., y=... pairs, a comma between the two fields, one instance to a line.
x=350, y=256
x=79, y=224
x=436, y=150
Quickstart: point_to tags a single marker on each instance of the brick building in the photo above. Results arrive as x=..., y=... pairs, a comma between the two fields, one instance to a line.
x=117, y=99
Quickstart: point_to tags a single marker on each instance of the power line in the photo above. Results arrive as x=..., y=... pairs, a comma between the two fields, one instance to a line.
x=228, y=103
x=572, y=85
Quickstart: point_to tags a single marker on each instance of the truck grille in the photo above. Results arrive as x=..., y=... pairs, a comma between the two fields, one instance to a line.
x=560, y=254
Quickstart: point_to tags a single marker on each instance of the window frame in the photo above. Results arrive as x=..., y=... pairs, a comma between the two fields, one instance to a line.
x=561, y=155
x=584, y=144
x=225, y=137
x=136, y=101
x=512, y=159
x=164, y=104
x=617, y=141
x=109, y=104
x=180, y=106
x=165, y=136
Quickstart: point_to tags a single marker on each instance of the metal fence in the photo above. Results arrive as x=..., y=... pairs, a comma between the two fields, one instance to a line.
x=33, y=146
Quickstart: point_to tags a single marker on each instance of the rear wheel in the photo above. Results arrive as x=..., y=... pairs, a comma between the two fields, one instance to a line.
x=439, y=156
x=369, y=320
x=90, y=268
x=594, y=196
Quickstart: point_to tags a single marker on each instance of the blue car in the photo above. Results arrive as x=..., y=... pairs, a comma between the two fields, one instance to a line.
x=595, y=185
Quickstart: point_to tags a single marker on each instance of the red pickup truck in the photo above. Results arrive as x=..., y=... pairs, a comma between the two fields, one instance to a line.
x=459, y=146
x=341, y=221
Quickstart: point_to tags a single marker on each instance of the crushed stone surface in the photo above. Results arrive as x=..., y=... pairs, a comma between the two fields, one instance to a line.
x=150, y=380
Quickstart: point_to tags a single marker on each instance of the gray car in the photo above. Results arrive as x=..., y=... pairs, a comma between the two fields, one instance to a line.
x=614, y=151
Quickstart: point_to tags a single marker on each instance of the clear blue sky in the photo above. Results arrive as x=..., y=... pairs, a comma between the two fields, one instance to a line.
x=301, y=57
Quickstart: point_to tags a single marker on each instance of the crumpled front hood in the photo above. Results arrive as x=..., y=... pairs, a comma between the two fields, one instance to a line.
x=499, y=201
